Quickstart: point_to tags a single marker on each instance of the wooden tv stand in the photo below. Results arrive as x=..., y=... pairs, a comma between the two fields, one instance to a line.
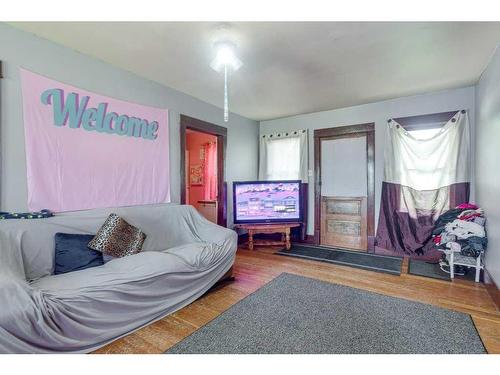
x=283, y=228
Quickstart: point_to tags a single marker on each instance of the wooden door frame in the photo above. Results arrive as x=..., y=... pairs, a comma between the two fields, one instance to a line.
x=220, y=132
x=351, y=131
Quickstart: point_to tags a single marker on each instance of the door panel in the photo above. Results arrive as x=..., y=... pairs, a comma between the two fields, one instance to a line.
x=344, y=222
x=344, y=167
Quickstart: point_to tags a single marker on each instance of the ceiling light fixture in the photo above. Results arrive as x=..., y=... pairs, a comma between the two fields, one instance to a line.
x=226, y=62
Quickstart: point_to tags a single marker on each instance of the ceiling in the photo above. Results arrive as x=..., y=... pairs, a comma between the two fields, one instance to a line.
x=289, y=67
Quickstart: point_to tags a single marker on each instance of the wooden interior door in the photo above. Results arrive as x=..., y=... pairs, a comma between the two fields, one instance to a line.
x=344, y=222
x=344, y=187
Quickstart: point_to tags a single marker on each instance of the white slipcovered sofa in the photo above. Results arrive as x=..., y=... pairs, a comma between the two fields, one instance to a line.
x=183, y=256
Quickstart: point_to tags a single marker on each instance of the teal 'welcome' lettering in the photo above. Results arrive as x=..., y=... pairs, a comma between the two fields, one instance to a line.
x=64, y=110
x=74, y=112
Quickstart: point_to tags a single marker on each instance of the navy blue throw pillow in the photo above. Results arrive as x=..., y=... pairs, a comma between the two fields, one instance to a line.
x=72, y=253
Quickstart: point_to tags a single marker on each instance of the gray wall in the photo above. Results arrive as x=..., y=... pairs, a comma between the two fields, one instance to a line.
x=378, y=113
x=488, y=158
x=20, y=49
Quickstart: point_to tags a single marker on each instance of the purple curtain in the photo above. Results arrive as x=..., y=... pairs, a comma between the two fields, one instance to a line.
x=401, y=233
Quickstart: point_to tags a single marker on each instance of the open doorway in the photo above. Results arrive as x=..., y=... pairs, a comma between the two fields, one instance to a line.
x=344, y=189
x=202, y=168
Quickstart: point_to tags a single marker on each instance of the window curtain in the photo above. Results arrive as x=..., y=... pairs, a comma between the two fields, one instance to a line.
x=283, y=156
x=422, y=179
x=210, y=171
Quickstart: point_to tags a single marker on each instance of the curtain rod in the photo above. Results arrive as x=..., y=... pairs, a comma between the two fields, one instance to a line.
x=285, y=133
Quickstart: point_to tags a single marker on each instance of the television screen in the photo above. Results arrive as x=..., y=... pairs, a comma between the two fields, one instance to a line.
x=266, y=201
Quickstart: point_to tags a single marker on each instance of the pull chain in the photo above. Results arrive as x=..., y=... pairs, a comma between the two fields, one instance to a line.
x=226, y=103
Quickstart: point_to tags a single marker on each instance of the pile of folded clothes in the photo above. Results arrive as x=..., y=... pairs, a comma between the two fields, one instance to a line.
x=461, y=229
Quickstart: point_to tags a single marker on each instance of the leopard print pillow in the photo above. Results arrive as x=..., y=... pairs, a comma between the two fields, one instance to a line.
x=117, y=238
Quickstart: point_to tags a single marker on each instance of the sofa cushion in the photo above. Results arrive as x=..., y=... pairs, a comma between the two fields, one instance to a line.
x=118, y=238
x=73, y=254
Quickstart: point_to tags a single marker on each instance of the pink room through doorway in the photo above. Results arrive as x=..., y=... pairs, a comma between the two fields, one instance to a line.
x=201, y=173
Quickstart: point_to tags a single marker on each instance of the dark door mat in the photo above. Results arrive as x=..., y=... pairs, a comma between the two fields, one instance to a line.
x=366, y=261
x=423, y=268
x=432, y=270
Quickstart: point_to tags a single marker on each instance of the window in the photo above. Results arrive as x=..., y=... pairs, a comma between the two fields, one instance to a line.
x=283, y=156
x=283, y=159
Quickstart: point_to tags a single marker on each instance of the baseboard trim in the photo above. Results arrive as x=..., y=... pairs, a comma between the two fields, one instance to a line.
x=492, y=288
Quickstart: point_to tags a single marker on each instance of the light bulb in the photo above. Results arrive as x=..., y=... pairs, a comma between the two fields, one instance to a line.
x=225, y=56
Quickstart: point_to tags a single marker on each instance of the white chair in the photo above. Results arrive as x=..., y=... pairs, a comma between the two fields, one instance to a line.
x=456, y=259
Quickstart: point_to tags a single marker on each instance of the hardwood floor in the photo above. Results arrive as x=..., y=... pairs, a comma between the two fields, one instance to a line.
x=255, y=268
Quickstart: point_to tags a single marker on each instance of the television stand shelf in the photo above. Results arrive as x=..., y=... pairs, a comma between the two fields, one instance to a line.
x=283, y=228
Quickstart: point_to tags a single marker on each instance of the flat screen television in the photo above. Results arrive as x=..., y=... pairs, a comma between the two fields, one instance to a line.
x=267, y=202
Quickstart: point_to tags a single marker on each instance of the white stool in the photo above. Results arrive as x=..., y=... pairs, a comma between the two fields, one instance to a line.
x=456, y=259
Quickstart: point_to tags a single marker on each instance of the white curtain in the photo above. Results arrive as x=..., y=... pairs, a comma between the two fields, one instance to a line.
x=283, y=156
x=426, y=173
x=429, y=164
x=425, y=168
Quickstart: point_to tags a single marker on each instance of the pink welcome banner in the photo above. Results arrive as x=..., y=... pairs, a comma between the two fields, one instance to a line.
x=86, y=150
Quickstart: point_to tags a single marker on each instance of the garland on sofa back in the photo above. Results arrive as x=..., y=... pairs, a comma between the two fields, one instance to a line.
x=26, y=215
x=75, y=112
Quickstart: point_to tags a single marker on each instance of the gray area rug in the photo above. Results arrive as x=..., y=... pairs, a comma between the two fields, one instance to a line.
x=366, y=261
x=295, y=314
